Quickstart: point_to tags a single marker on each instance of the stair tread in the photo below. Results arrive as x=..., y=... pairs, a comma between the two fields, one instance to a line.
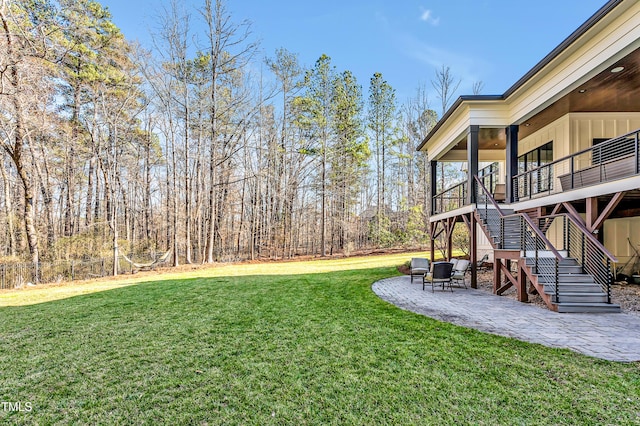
x=567, y=274
x=588, y=308
x=589, y=304
x=577, y=287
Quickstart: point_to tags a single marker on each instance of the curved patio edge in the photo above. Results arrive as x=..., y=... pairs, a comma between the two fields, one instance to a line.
x=613, y=337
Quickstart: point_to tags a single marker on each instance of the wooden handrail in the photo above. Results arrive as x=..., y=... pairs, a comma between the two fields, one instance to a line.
x=586, y=232
x=526, y=218
x=538, y=232
x=486, y=191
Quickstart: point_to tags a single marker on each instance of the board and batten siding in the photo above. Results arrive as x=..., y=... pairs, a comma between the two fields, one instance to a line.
x=588, y=126
x=616, y=232
x=558, y=132
x=575, y=132
x=585, y=127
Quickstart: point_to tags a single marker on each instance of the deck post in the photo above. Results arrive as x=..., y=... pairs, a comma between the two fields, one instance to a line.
x=497, y=272
x=451, y=224
x=591, y=212
x=472, y=162
x=511, y=161
x=433, y=169
x=522, y=281
x=432, y=241
x=473, y=250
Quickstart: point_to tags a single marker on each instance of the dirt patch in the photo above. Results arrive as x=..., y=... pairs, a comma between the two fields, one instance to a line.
x=404, y=269
x=627, y=296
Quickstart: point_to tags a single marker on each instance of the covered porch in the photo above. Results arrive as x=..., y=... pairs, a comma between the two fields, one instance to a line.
x=550, y=161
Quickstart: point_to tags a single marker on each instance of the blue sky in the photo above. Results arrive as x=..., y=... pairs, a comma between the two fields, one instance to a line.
x=493, y=41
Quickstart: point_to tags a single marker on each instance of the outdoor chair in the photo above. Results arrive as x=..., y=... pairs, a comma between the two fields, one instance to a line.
x=453, y=261
x=440, y=274
x=460, y=271
x=480, y=264
x=419, y=267
x=500, y=193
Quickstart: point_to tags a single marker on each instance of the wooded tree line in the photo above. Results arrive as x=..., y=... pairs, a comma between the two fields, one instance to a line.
x=197, y=145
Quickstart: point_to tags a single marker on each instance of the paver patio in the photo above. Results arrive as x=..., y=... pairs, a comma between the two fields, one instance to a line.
x=614, y=337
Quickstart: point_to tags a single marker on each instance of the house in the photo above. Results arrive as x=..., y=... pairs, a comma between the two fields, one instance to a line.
x=553, y=182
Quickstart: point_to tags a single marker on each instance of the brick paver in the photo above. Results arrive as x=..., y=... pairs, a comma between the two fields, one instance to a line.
x=614, y=337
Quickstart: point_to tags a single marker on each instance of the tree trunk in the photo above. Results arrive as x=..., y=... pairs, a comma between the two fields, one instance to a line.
x=89, y=197
x=9, y=210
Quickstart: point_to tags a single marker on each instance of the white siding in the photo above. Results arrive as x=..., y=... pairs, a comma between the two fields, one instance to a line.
x=616, y=232
x=556, y=132
x=588, y=126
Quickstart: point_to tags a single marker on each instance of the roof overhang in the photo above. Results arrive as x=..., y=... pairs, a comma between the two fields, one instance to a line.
x=611, y=36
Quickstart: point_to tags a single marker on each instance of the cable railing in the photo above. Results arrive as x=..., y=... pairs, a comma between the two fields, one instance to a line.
x=546, y=267
x=451, y=198
x=581, y=245
x=611, y=160
x=489, y=176
x=455, y=197
x=518, y=232
x=542, y=243
x=489, y=211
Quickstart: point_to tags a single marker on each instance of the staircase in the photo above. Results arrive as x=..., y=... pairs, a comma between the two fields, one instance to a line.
x=575, y=291
x=491, y=219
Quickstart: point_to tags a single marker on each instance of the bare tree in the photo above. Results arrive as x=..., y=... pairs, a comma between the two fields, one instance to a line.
x=229, y=51
x=418, y=119
x=22, y=74
x=446, y=85
x=478, y=87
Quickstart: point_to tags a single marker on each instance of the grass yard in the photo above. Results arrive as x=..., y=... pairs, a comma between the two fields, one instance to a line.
x=283, y=343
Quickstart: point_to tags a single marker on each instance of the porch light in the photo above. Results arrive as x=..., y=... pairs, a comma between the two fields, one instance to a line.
x=617, y=69
x=582, y=90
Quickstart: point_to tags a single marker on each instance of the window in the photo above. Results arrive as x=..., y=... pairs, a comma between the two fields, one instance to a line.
x=542, y=179
x=536, y=158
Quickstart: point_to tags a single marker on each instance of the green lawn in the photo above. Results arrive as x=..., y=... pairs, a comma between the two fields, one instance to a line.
x=285, y=343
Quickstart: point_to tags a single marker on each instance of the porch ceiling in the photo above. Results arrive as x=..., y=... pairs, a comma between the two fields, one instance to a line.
x=488, y=138
x=606, y=92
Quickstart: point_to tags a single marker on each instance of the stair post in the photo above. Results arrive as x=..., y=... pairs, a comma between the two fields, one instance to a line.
x=565, y=234
x=582, y=257
x=609, y=280
x=557, y=290
x=636, y=151
x=522, y=280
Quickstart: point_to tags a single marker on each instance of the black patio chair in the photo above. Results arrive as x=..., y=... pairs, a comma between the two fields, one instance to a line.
x=440, y=274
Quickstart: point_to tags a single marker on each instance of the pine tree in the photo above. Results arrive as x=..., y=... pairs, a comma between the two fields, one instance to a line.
x=381, y=123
